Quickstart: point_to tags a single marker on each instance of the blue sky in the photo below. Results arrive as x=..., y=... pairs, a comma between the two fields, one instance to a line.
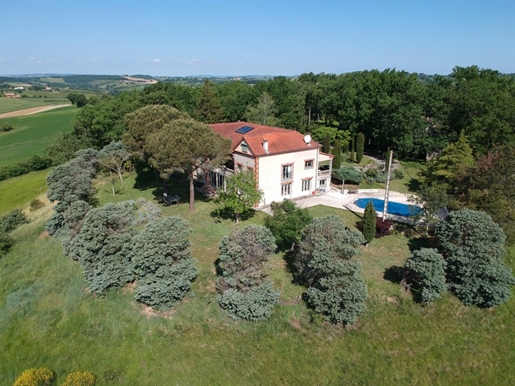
x=247, y=37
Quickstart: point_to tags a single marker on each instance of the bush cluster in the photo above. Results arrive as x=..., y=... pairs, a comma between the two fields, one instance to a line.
x=382, y=227
x=286, y=223
x=425, y=273
x=8, y=223
x=12, y=220
x=324, y=261
x=372, y=175
x=103, y=246
x=348, y=174
x=163, y=263
x=243, y=287
x=69, y=184
x=21, y=168
x=36, y=204
x=379, y=175
x=473, y=247
x=6, y=243
x=36, y=377
x=470, y=264
x=44, y=377
x=80, y=378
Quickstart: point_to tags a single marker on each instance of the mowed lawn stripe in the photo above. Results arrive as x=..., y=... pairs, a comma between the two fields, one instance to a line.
x=32, y=134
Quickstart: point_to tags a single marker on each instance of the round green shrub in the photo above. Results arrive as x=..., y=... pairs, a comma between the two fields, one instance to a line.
x=398, y=174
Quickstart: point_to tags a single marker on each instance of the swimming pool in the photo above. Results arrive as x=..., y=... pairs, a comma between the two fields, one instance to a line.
x=395, y=208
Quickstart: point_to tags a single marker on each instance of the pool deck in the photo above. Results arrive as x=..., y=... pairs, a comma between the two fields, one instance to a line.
x=345, y=200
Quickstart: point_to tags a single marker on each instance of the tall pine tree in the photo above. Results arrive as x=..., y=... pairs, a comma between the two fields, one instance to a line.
x=210, y=108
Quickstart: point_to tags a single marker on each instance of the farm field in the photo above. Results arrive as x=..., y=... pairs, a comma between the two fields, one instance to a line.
x=32, y=134
x=49, y=318
x=8, y=104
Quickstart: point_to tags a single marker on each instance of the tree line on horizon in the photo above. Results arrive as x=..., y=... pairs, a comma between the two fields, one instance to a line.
x=393, y=109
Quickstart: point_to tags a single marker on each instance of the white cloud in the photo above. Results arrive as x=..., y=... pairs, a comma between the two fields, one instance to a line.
x=156, y=61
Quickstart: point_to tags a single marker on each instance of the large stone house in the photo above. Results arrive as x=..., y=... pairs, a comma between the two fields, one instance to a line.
x=286, y=163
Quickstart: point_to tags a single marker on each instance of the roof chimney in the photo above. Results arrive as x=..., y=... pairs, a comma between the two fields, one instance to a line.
x=265, y=145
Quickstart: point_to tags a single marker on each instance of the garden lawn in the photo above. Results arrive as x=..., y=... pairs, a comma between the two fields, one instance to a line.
x=49, y=318
x=32, y=134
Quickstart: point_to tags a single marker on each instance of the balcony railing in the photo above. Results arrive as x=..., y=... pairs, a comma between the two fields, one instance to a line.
x=324, y=173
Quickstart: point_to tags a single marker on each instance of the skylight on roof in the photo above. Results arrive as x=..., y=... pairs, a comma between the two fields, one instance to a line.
x=244, y=129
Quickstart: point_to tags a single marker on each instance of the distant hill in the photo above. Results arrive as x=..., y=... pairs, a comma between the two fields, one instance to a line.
x=103, y=84
x=115, y=84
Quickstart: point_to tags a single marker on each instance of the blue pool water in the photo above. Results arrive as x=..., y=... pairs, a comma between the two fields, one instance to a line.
x=393, y=207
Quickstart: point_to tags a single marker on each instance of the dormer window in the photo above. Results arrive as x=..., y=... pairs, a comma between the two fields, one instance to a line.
x=244, y=148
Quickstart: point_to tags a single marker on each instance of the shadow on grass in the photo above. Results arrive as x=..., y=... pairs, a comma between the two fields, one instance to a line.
x=413, y=185
x=177, y=184
x=394, y=274
x=292, y=267
x=359, y=216
x=220, y=214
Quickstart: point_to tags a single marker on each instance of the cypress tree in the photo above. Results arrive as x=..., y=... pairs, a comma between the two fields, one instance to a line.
x=352, y=158
x=360, y=147
x=337, y=152
x=327, y=143
x=369, y=222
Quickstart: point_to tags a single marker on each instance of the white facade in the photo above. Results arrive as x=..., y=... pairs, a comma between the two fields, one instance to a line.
x=289, y=175
x=286, y=164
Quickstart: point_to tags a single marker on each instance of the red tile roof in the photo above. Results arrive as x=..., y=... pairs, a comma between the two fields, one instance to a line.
x=279, y=140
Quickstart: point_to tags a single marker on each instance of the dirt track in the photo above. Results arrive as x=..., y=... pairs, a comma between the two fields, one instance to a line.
x=30, y=111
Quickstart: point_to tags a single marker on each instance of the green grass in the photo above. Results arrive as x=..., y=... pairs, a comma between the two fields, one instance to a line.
x=32, y=134
x=17, y=192
x=364, y=161
x=48, y=318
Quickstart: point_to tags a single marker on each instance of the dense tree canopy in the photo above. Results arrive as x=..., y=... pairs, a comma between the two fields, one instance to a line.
x=169, y=140
x=490, y=186
x=143, y=122
x=187, y=145
x=416, y=116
